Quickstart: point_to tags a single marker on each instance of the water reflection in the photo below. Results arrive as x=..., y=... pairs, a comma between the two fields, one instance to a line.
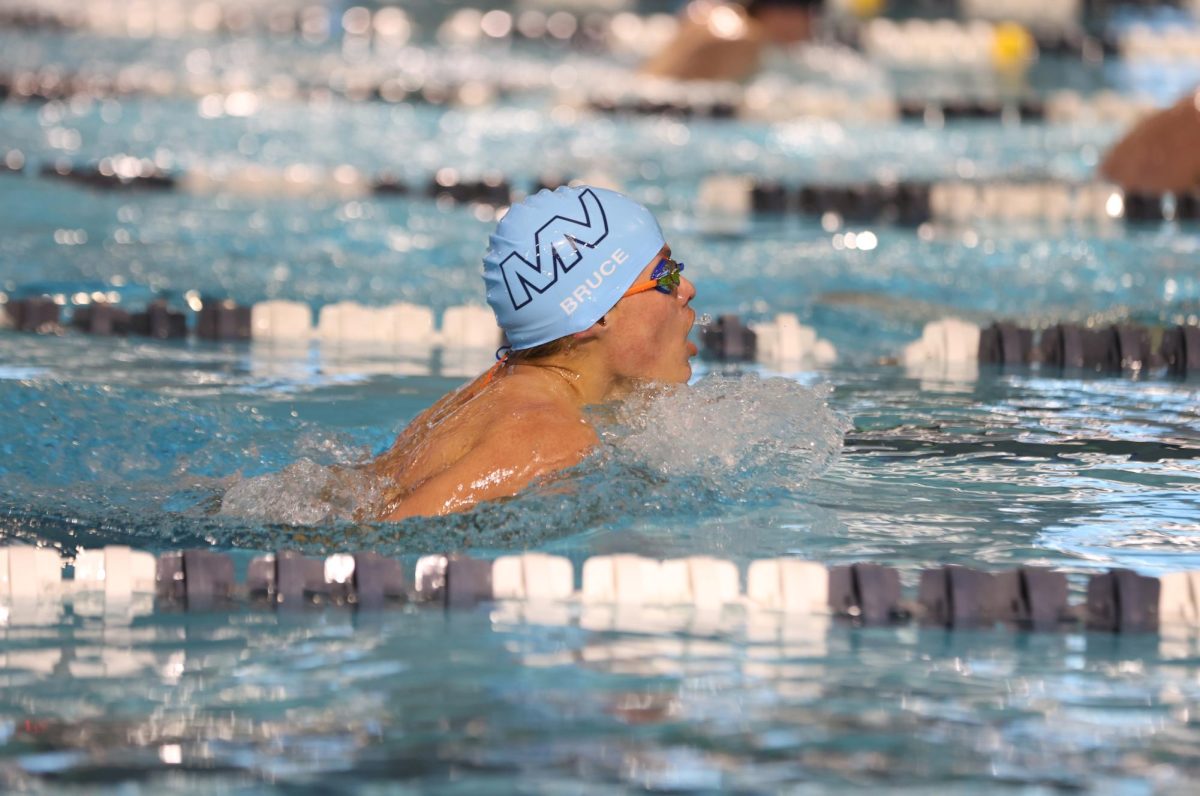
x=734, y=702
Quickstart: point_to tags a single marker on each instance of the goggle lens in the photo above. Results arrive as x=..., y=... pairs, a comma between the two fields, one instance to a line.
x=666, y=274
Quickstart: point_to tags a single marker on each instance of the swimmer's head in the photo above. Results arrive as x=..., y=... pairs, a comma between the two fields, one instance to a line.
x=559, y=260
x=784, y=22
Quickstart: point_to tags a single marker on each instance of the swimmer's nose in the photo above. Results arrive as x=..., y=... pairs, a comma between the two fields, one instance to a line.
x=687, y=290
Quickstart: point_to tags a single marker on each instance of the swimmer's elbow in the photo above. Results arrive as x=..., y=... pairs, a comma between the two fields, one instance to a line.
x=438, y=500
x=454, y=493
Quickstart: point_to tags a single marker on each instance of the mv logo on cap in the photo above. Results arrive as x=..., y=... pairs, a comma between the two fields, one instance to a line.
x=556, y=246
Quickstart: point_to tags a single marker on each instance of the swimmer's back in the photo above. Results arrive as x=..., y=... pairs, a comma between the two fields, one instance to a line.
x=484, y=441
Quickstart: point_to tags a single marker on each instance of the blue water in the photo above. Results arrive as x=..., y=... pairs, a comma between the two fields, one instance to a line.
x=135, y=442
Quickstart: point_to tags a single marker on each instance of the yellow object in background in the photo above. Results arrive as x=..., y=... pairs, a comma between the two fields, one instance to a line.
x=1013, y=47
x=866, y=9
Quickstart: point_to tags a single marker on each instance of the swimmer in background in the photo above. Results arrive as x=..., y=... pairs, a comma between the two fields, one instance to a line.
x=583, y=284
x=1161, y=154
x=727, y=41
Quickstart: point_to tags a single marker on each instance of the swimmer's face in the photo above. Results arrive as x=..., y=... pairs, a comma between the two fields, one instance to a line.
x=647, y=333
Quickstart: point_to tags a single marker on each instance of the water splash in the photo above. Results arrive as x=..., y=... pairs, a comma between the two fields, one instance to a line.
x=87, y=465
x=303, y=493
x=324, y=485
x=736, y=434
x=726, y=437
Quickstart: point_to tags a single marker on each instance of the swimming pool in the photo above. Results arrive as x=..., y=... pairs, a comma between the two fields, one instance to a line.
x=135, y=441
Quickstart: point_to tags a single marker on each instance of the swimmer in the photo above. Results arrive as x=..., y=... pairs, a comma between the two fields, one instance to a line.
x=727, y=41
x=585, y=288
x=1161, y=154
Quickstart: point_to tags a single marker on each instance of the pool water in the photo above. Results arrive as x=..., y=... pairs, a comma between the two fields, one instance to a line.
x=169, y=445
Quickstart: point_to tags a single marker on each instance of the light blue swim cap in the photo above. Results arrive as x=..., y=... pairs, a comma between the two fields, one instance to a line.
x=561, y=259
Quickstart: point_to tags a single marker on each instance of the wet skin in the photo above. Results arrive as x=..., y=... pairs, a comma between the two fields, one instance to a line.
x=493, y=437
x=719, y=41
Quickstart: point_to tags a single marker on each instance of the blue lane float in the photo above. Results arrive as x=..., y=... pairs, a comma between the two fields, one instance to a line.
x=950, y=597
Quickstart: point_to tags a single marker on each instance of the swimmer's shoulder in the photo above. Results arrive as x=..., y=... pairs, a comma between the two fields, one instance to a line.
x=719, y=42
x=1159, y=155
x=542, y=426
x=518, y=446
x=525, y=420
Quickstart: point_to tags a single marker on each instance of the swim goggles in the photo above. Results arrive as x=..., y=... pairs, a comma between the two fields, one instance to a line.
x=664, y=278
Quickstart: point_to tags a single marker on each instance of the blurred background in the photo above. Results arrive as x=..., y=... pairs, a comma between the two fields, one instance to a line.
x=333, y=152
x=381, y=104
x=863, y=168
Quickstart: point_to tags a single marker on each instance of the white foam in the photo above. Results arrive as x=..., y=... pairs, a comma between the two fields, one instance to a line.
x=303, y=493
x=739, y=432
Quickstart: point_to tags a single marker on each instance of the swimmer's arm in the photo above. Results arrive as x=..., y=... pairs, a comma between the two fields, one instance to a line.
x=514, y=454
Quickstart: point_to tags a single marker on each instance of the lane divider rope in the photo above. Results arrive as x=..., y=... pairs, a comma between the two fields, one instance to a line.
x=1111, y=348
x=950, y=597
x=724, y=201
x=468, y=326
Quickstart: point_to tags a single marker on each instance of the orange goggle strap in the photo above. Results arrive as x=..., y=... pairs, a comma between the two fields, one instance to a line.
x=501, y=359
